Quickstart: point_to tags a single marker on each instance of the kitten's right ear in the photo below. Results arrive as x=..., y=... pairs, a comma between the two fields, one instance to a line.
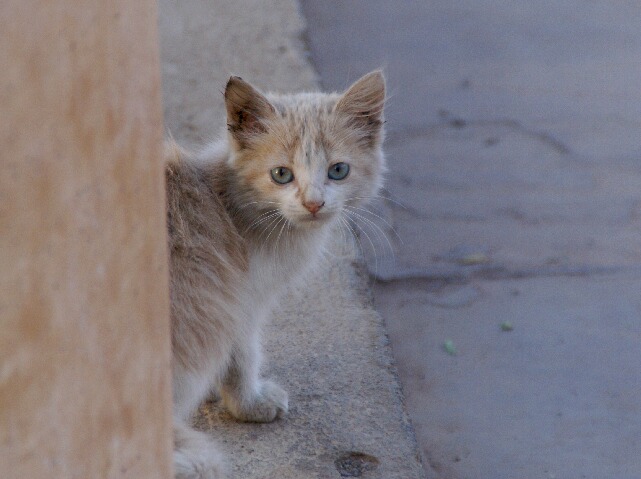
x=363, y=105
x=247, y=110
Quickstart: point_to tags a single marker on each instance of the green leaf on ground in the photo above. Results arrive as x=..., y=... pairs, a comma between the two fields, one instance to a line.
x=474, y=258
x=448, y=345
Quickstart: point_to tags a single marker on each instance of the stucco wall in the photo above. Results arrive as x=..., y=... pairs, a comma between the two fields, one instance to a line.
x=84, y=333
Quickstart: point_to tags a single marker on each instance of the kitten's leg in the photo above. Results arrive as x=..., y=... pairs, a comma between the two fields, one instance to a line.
x=196, y=455
x=244, y=393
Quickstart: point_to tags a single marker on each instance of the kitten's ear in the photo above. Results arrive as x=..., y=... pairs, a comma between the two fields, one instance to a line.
x=363, y=105
x=247, y=110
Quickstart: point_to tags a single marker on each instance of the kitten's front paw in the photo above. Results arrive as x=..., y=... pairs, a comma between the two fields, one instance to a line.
x=268, y=404
x=196, y=455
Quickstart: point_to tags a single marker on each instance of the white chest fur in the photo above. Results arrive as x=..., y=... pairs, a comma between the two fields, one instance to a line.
x=275, y=269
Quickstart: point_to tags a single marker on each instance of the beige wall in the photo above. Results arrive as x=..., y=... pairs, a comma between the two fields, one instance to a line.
x=84, y=336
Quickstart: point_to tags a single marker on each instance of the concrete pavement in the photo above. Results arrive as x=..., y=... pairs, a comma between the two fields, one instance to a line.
x=515, y=197
x=326, y=346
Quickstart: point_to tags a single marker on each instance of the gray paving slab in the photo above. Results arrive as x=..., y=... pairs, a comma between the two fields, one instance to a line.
x=557, y=396
x=562, y=66
x=513, y=196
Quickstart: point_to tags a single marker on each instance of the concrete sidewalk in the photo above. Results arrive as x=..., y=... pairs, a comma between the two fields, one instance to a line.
x=327, y=346
x=515, y=174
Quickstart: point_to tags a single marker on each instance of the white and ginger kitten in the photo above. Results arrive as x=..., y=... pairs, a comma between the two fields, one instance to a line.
x=248, y=218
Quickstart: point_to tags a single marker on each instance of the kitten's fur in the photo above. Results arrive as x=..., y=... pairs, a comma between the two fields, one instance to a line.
x=238, y=239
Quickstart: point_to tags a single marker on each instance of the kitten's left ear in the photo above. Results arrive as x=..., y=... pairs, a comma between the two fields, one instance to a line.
x=363, y=105
x=247, y=110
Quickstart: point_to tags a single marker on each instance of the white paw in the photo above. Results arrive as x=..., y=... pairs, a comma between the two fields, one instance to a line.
x=268, y=404
x=196, y=455
x=197, y=467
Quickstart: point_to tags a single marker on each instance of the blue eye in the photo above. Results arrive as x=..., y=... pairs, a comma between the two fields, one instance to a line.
x=338, y=171
x=282, y=175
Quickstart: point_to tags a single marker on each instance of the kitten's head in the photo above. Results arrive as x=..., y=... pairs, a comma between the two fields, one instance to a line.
x=307, y=155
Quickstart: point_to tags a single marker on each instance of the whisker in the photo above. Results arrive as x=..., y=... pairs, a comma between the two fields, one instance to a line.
x=267, y=213
x=377, y=216
x=369, y=239
x=387, y=198
x=274, y=219
x=361, y=244
x=251, y=203
x=265, y=216
x=375, y=228
x=285, y=223
x=288, y=232
x=349, y=228
x=282, y=218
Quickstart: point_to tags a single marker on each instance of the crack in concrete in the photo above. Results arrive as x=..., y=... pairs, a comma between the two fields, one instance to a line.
x=496, y=273
x=458, y=123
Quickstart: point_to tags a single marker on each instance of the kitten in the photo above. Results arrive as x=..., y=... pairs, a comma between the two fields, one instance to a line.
x=247, y=218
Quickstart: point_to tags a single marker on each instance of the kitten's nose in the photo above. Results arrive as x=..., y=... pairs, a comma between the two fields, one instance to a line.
x=313, y=206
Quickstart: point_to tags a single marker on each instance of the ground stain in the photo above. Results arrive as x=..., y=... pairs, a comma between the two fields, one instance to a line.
x=354, y=464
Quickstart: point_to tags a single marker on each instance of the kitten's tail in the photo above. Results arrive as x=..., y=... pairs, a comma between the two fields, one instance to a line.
x=196, y=455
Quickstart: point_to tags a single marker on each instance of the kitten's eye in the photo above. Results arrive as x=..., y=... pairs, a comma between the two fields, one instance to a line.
x=338, y=171
x=282, y=175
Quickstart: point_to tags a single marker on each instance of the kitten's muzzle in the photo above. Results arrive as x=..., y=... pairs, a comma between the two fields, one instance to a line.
x=313, y=206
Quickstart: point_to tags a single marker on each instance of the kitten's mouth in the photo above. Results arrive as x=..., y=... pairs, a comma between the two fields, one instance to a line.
x=313, y=220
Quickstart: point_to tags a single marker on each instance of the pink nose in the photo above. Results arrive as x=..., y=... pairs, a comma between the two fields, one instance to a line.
x=313, y=206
